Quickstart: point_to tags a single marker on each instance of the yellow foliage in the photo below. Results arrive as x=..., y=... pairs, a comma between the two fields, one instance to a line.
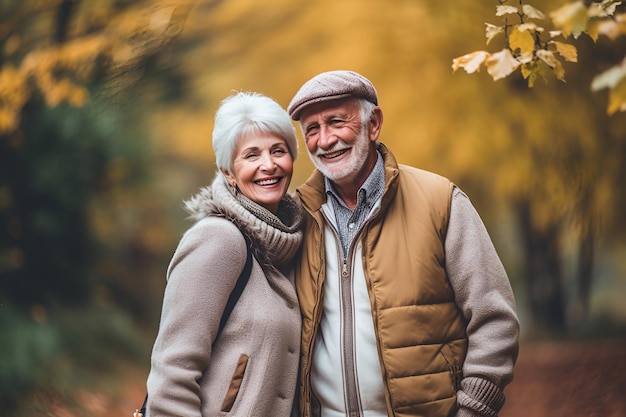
x=571, y=18
x=567, y=51
x=14, y=93
x=522, y=42
x=617, y=98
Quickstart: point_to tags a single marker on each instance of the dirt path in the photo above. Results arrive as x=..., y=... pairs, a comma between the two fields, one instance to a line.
x=555, y=379
x=569, y=379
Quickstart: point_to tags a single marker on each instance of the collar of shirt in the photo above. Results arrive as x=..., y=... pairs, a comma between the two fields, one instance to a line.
x=348, y=222
x=370, y=191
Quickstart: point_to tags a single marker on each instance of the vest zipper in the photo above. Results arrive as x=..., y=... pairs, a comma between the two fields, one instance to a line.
x=347, y=334
x=351, y=392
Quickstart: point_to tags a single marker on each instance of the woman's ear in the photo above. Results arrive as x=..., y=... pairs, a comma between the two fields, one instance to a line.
x=230, y=178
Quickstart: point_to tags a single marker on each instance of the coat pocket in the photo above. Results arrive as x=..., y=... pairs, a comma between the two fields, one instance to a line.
x=235, y=383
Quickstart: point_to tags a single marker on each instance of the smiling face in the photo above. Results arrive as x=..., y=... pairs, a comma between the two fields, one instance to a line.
x=262, y=169
x=339, y=144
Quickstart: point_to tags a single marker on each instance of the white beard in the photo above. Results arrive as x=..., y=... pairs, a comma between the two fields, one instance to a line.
x=358, y=155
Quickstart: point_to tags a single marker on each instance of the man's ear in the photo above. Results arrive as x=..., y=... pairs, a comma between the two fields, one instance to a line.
x=375, y=123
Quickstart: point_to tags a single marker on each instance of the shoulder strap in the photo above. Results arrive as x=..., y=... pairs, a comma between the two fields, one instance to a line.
x=239, y=286
x=232, y=300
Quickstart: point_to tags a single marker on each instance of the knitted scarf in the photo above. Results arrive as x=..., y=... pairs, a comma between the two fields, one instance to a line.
x=274, y=238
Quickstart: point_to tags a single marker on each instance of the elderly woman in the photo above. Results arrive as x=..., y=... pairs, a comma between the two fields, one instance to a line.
x=251, y=368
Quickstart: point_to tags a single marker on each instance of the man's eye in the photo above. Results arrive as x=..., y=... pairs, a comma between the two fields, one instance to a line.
x=337, y=122
x=312, y=130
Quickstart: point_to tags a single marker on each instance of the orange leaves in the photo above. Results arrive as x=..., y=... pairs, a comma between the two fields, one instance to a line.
x=13, y=95
x=525, y=48
x=105, y=41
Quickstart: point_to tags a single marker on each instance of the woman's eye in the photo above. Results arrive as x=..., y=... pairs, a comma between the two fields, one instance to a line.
x=280, y=151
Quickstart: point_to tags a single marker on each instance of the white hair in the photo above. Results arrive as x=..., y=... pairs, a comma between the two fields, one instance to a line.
x=367, y=110
x=244, y=113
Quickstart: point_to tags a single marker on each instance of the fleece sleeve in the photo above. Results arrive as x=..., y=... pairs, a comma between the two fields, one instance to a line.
x=484, y=295
x=201, y=276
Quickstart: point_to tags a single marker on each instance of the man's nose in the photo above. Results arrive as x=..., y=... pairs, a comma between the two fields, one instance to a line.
x=326, y=138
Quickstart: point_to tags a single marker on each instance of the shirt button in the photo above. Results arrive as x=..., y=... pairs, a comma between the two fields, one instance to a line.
x=351, y=225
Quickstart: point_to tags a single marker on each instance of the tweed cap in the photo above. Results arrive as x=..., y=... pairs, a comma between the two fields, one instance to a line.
x=331, y=85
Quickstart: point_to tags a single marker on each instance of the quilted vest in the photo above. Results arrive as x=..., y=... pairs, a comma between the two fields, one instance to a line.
x=420, y=332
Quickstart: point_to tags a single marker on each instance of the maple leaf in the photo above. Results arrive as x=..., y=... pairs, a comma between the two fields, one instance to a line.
x=501, y=64
x=571, y=18
x=470, y=62
x=566, y=50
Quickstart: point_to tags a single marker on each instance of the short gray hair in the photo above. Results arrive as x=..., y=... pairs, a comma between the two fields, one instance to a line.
x=367, y=110
x=247, y=112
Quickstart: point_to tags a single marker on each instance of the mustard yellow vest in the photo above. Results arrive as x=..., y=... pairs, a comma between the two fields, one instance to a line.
x=420, y=332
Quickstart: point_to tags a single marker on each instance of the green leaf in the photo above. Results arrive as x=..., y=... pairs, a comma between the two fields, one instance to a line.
x=533, y=70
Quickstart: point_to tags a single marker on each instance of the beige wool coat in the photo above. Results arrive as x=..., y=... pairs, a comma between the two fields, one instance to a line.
x=251, y=369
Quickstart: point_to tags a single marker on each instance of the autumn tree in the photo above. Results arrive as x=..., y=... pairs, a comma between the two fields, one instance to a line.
x=72, y=156
x=562, y=198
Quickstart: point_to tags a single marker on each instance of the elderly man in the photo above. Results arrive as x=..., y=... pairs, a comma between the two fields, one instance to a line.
x=407, y=309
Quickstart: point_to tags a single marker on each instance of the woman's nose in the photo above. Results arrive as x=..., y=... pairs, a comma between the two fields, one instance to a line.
x=267, y=163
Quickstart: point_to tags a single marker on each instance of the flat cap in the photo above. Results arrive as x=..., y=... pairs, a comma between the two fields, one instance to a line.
x=331, y=85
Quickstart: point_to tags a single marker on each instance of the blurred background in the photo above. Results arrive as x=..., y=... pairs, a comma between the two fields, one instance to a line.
x=106, y=110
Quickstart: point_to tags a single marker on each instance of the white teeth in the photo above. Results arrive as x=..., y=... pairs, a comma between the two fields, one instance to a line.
x=268, y=182
x=334, y=154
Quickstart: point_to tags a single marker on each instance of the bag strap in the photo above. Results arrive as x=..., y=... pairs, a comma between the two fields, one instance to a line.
x=242, y=281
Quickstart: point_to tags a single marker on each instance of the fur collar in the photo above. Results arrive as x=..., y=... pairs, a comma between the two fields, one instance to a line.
x=273, y=242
